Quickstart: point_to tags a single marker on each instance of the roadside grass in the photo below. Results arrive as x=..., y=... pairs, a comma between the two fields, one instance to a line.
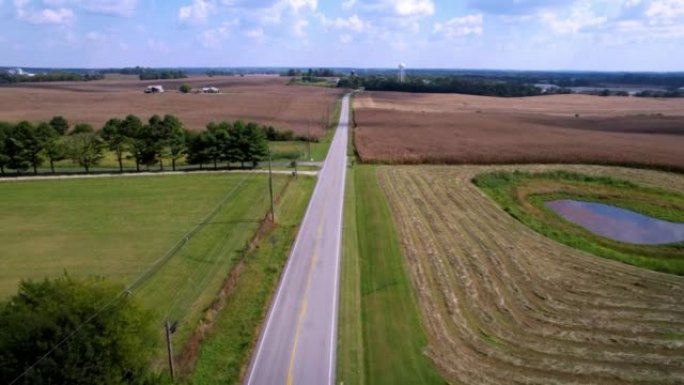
x=121, y=227
x=390, y=348
x=523, y=196
x=225, y=353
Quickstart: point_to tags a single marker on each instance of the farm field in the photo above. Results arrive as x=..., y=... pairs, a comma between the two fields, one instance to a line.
x=174, y=239
x=503, y=304
x=457, y=129
x=265, y=99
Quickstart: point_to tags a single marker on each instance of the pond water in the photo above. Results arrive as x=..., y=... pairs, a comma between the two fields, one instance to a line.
x=617, y=223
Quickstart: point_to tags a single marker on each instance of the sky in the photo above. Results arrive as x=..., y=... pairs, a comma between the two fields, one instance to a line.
x=603, y=35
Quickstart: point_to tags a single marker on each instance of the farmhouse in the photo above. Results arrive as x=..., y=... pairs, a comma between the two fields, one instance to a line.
x=210, y=90
x=154, y=89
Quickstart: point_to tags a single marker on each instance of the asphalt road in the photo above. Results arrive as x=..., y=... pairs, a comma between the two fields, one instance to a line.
x=298, y=342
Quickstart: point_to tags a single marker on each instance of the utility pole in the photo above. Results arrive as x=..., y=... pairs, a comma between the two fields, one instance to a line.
x=270, y=185
x=169, y=349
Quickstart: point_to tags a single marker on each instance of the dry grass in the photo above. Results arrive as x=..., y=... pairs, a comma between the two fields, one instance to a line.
x=504, y=305
x=265, y=99
x=420, y=128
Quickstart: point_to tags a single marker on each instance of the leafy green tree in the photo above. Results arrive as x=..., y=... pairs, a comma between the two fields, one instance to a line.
x=60, y=125
x=176, y=140
x=82, y=128
x=85, y=149
x=25, y=133
x=109, y=338
x=51, y=141
x=185, y=88
x=115, y=135
x=197, y=153
x=257, y=148
x=5, y=129
x=132, y=128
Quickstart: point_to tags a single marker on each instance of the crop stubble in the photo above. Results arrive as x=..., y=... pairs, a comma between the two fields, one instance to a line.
x=464, y=129
x=504, y=305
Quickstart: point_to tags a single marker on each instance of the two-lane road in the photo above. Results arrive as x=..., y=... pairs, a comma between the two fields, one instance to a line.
x=298, y=342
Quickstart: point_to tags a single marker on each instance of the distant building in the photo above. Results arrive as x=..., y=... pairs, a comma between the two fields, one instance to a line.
x=210, y=90
x=19, y=72
x=154, y=89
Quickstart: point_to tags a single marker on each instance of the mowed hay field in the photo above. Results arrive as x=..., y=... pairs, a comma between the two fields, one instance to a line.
x=168, y=234
x=264, y=99
x=501, y=304
x=464, y=129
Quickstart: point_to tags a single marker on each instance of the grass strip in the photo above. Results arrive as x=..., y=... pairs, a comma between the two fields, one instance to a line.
x=393, y=338
x=224, y=355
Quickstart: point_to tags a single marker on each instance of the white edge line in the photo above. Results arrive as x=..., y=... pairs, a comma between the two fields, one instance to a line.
x=333, y=334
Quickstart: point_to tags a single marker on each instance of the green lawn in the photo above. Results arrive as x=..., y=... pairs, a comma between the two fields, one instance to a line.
x=381, y=336
x=120, y=227
x=225, y=353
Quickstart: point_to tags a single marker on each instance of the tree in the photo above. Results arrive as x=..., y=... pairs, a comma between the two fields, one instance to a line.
x=108, y=345
x=197, y=153
x=25, y=133
x=176, y=140
x=257, y=148
x=82, y=128
x=5, y=129
x=85, y=149
x=132, y=128
x=114, y=134
x=185, y=88
x=51, y=141
x=60, y=125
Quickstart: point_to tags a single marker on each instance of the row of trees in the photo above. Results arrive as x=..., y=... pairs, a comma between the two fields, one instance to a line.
x=25, y=145
x=453, y=84
x=6, y=77
x=145, y=73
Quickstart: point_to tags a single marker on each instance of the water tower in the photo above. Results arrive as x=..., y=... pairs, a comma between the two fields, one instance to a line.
x=402, y=72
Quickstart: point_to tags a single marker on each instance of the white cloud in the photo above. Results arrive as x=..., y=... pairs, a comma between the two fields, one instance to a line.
x=414, y=7
x=104, y=7
x=96, y=37
x=460, y=26
x=195, y=13
x=296, y=5
x=352, y=23
x=212, y=38
x=580, y=16
x=158, y=46
x=299, y=27
x=255, y=33
x=348, y=4
x=43, y=16
x=346, y=38
x=666, y=9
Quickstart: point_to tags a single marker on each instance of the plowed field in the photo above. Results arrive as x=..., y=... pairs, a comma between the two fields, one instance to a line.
x=502, y=304
x=464, y=129
x=265, y=99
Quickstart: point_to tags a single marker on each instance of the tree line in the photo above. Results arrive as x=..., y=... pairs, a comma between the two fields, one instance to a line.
x=449, y=84
x=25, y=145
x=145, y=73
x=6, y=77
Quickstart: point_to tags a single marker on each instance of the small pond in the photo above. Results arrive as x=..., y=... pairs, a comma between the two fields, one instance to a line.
x=617, y=223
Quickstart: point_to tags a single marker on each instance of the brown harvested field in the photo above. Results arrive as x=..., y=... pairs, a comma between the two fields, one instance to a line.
x=265, y=99
x=458, y=129
x=502, y=304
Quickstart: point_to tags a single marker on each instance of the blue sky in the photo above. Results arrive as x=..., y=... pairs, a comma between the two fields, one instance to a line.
x=633, y=35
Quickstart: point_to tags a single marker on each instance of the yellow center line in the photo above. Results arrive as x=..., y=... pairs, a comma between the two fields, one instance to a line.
x=304, y=305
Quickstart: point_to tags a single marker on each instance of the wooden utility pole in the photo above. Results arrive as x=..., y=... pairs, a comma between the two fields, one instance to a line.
x=169, y=350
x=270, y=186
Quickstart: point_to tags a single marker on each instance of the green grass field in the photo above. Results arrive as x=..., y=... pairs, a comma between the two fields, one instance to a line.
x=121, y=227
x=225, y=353
x=523, y=195
x=381, y=339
